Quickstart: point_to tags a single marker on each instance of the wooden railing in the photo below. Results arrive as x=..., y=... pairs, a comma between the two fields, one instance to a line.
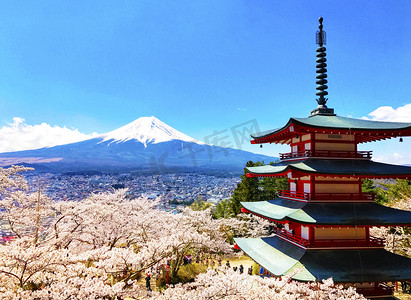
x=295, y=195
x=292, y=237
x=343, y=196
x=380, y=289
x=327, y=196
x=327, y=153
x=371, y=242
x=326, y=243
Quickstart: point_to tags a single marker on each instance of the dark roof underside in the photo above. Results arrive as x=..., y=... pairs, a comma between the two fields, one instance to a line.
x=329, y=213
x=280, y=257
x=337, y=122
x=334, y=167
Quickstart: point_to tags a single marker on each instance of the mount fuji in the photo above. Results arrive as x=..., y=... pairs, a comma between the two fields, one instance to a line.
x=144, y=145
x=146, y=130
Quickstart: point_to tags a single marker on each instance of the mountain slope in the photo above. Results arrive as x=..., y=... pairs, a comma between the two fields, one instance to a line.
x=147, y=144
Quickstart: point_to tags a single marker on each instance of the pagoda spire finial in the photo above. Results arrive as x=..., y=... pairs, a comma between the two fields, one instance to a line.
x=321, y=65
x=321, y=73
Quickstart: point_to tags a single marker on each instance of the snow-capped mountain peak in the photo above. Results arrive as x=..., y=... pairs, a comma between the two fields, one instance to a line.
x=146, y=130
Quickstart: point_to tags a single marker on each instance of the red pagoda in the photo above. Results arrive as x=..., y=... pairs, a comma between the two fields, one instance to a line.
x=325, y=216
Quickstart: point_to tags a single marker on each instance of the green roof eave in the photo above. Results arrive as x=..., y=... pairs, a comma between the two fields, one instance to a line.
x=368, y=265
x=280, y=168
x=301, y=216
x=279, y=210
x=279, y=260
x=366, y=214
x=280, y=257
x=266, y=133
x=349, y=167
x=268, y=169
x=337, y=122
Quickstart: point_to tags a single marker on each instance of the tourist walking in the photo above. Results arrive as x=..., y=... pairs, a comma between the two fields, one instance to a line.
x=148, y=286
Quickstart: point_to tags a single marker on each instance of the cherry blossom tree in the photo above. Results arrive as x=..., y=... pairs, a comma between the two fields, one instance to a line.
x=100, y=247
x=107, y=236
x=227, y=284
x=397, y=239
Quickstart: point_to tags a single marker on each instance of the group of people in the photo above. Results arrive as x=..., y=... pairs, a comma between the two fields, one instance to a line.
x=406, y=287
x=240, y=268
x=209, y=260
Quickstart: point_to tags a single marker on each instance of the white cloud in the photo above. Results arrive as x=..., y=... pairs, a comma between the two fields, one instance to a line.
x=393, y=158
x=391, y=151
x=390, y=114
x=18, y=136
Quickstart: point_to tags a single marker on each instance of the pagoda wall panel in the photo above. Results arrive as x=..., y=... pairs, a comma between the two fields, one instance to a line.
x=334, y=137
x=306, y=137
x=340, y=233
x=337, y=188
x=335, y=146
x=322, y=178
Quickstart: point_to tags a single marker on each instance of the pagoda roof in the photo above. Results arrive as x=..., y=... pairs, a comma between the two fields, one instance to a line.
x=333, y=167
x=366, y=130
x=367, y=214
x=281, y=257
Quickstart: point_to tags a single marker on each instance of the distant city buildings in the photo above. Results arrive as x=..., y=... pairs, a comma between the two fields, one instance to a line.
x=175, y=188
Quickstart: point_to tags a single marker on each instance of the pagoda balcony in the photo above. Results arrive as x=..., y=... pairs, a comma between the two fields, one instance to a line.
x=327, y=154
x=291, y=237
x=379, y=290
x=370, y=242
x=360, y=197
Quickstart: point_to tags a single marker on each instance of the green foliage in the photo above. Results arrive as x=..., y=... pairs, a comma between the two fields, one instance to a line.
x=31, y=286
x=223, y=210
x=185, y=273
x=250, y=189
x=381, y=196
x=188, y=272
x=177, y=202
x=256, y=269
x=399, y=190
x=367, y=185
x=247, y=190
x=199, y=204
x=271, y=186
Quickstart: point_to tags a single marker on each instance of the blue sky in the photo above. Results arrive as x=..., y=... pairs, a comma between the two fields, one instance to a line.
x=199, y=66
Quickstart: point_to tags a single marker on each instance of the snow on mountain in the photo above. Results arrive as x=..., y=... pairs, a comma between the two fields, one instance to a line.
x=147, y=130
